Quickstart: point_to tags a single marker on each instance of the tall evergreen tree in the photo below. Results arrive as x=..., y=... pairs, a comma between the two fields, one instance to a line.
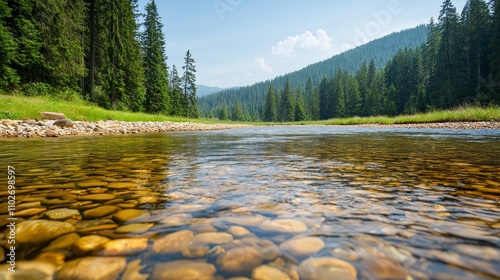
x=300, y=113
x=8, y=77
x=189, y=86
x=495, y=56
x=154, y=61
x=286, y=111
x=270, y=110
x=325, y=97
x=121, y=72
x=237, y=113
x=339, y=95
x=176, y=94
x=447, y=54
x=477, y=26
x=431, y=48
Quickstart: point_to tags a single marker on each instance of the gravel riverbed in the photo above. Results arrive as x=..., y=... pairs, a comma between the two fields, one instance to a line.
x=65, y=127
x=442, y=125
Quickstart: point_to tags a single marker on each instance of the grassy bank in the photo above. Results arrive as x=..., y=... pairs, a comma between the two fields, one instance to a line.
x=22, y=107
x=462, y=114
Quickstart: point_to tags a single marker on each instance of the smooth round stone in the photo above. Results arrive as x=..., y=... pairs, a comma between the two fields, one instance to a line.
x=134, y=228
x=90, y=184
x=93, y=268
x=303, y=246
x=124, y=247
x=195, y=250
x=36, y=270
x=238, y=231
x=326, y=268
x=121, y=185
x=173, y=243
x=284, y=225
x=28, y=205
x=61, y=214
x=242, y=259
x=133, y=271
x=383, y=269
x=88, y=244
x=213, y=238
x=266, y=272
x=131, y=215
x=97, y=197
x=245, y=220
x=62, y=242
x=55, y=257
x=147, y=200
x=30, y=212
x=39, y=231
x=186, y=270
x=100, y=211
x=177, y=220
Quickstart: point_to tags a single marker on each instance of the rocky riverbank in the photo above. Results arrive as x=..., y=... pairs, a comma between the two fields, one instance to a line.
x=441, y=125
x=65, y=127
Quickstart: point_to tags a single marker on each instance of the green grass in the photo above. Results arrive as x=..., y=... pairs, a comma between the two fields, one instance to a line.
x=22, y=107
x=461, y=114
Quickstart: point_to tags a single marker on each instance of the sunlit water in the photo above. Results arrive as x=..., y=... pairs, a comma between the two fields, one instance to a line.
x=395, y=204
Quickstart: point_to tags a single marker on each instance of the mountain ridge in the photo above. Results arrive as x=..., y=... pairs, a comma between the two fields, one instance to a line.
x=381, y=50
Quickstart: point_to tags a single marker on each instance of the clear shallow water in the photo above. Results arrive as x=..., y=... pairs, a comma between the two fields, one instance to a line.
x=393, y=203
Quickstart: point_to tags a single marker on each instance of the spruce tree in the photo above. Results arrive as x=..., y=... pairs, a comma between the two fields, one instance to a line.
x=176, y=95
x=495, y=56
x=270, y=109
x=121, y=72
x=237, y=113
x=157, y=98
x=287, y=113
x=8, y=77
x=300, y=113
x=189, y=86
x=325, y=99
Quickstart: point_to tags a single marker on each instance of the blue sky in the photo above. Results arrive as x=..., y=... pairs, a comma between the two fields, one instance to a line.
x=241, y=42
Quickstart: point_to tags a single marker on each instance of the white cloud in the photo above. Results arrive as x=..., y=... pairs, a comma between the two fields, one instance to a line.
x=261, y=64
x=306, y=40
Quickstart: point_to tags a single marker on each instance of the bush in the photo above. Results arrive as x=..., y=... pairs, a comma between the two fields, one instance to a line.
x=37, y=89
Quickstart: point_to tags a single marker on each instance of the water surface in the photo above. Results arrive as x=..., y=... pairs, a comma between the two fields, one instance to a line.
x=393, y=203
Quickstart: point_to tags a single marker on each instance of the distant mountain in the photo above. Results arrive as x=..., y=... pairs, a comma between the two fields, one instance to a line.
x=381, y=50
x=202, y=90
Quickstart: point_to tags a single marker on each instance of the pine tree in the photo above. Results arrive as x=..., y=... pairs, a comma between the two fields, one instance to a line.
x=339, y=95
x=121, y=70
x=287, y=113
x=476, y=24
x=237, y=113
x=431, y=48
x=312, y=99
x=8, y=77
x=224, y=114
x=300, y=113
x=353, y=96
x=189, y=86
x=154, y=61
x=495, y=56
x=325, y=99
x=362, y=79
x=270, y=109
x=447, y=54
x=176, y=95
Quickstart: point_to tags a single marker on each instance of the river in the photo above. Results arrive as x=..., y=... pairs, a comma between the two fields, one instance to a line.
x=285, y=202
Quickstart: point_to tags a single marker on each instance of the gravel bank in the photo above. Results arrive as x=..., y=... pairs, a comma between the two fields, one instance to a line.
x=65, y=127
x=444, y=125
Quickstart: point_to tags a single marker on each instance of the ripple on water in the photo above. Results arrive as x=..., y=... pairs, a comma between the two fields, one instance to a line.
x=261, y=203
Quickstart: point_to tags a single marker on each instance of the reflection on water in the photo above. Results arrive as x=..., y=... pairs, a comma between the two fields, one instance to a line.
x=263, y=203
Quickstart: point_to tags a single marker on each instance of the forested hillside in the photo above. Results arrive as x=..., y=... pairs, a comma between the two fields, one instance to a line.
x=251, y=98
x=459, y=63
x=93, y=49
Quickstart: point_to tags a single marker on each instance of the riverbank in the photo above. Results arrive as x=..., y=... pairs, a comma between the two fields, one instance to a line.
x=440, y=125
x=56, y=128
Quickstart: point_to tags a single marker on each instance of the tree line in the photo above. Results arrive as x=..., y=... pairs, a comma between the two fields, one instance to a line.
x=458, y=64
x=97, y=49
